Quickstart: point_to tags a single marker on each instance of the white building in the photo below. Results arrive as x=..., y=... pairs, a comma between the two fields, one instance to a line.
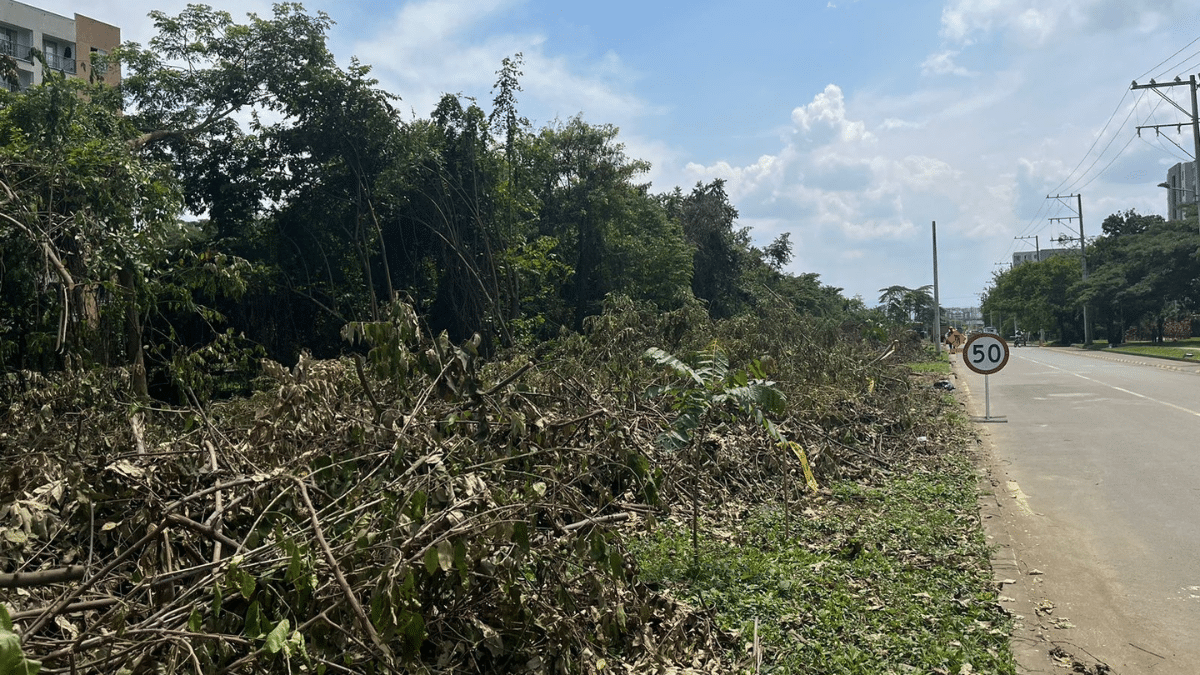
x=964, y=318
x=67, y=44
x=1181, y=189
x=1039, y=255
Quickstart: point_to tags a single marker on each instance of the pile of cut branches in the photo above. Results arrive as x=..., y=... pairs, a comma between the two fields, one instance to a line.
x=410, y=508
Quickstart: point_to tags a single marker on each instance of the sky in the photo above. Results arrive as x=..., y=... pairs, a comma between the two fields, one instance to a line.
x=852, y=125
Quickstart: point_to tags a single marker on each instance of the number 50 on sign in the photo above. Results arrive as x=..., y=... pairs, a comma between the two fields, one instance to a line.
x=985, y=353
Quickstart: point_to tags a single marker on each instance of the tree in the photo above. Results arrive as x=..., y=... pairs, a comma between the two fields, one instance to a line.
x=1040, y=295
x=903, y=305
x=84, y=215
x=1129, y=223
x=720, y=252
x=615, y=235
x=1147, y=271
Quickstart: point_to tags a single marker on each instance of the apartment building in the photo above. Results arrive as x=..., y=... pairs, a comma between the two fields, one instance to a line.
x=66, y=44
x=1181, y=189
x=1021, y=257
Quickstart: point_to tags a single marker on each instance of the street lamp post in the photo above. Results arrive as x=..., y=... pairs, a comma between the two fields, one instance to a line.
x=1184, y=191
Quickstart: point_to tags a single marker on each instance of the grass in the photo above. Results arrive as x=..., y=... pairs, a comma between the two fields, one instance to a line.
x=936, y=363
x=1171, y=350
x=894, y=578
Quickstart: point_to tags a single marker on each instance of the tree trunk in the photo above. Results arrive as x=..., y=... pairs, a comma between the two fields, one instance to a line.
x=133, y=337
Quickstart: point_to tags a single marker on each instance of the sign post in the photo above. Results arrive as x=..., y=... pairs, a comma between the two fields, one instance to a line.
x=985, y=354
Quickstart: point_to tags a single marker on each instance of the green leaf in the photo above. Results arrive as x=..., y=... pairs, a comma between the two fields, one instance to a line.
x=277, y=638
x=246, y=584
x=417, y=505
x=663, y=358
x=216, y=601
x=460, y=560
x=445, y=555
x=616, y=563
x=12, y=659
x=521, y=536
x=254, y=621
x=295, y=644
x=412, y=632
x=431, y=561
x=195, y=621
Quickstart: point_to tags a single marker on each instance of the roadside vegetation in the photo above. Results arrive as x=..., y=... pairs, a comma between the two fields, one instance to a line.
x=935, y=362
x=1181, y=350
x=441, y=395
x=425, y=509
x=1142, y=285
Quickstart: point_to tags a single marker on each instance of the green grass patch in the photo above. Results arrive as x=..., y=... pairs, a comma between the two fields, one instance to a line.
x=887, y=579
x=935, y=367
x=934, y=362
x=1171, y=350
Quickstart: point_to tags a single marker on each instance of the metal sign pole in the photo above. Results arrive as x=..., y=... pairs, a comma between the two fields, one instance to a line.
x=987, y=398
x=986, y=354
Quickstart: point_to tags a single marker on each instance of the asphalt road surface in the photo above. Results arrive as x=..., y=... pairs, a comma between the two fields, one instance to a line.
x=1095, y=507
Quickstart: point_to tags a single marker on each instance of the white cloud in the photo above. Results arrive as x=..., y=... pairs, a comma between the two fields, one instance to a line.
x=943, y=63
x=1036, y=22
x=829, y=173
x=432, y=48
x=827, y=113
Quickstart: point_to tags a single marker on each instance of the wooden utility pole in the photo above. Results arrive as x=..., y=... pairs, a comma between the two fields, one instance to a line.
x=937, y=306
x=1037, y=247
x=1087, y=324
x=1195, y=119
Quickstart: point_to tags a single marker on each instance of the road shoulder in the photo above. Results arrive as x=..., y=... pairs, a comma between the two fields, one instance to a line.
x=1067, y=612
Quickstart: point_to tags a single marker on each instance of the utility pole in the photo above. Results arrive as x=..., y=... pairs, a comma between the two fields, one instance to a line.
x=1195, y=118
x=1036, y=247
x=1087, y=324
x=937, y=306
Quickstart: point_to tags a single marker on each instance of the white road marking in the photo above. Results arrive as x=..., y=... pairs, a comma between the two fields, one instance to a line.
x=1122, y=390
x=1020, y=497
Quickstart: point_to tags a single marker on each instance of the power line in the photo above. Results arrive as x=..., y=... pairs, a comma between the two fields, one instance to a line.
x=1097, y=139
x=1169, y=58
x=1132, y=109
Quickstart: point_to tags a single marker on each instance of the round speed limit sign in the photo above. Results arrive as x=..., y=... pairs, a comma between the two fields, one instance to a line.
x=985, y=353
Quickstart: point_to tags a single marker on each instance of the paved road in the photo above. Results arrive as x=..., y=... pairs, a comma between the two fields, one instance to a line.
x=1098, y=485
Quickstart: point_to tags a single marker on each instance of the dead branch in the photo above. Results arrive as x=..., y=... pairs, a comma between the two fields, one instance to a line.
x=367, y=627
x=42, y=577
x=210, y=532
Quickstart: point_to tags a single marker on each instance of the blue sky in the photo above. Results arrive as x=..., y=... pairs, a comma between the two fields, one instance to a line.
x=851, y=124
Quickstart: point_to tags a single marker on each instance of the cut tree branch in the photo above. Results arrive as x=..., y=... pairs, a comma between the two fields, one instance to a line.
x=42, y=577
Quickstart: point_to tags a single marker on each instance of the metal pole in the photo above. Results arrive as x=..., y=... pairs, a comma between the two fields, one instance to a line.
x=937, y=306
x=1196, y=139
x=1087, y=325
x=987, y=397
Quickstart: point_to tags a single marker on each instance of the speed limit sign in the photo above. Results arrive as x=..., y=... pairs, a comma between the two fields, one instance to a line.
x=985, y=353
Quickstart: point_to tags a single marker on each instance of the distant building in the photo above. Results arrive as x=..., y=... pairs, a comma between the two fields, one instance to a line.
x=1021, y=257
x=1181, y=189
x=67, y=45
x=964, y=318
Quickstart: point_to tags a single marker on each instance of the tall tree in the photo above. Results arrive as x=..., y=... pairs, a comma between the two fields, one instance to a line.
x=614, y=234
x=1040, y=295
x=720, y=250
x=1144, y=270
x=83, y=214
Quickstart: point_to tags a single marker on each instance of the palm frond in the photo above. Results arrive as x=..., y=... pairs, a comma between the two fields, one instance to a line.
x=661, y=357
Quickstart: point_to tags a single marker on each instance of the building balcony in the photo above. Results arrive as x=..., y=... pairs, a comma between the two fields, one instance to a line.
x=62, y=63
x=18, y=49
